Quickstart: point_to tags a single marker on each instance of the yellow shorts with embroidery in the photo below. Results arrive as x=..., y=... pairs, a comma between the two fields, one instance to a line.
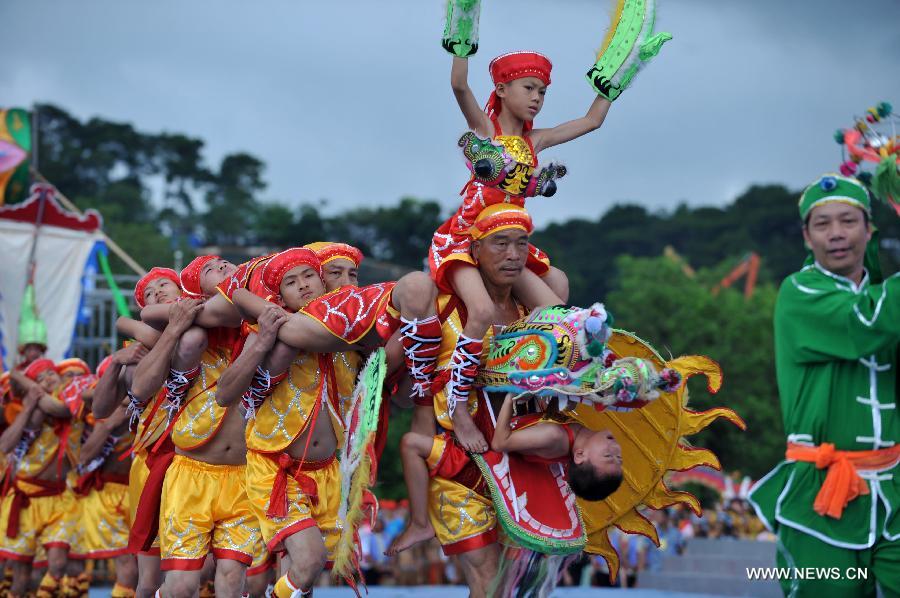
x=263, y=560
x=205, y=506
x=46, y=521
x=463, y=519
x=301, y=513
x=103, y=522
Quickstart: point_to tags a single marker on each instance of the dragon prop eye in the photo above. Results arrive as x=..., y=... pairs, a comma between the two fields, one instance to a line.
x=549, y=189
x=484, y=168
x=828, y=183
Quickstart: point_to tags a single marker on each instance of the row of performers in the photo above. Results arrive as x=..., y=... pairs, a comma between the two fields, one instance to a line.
x=215, y=431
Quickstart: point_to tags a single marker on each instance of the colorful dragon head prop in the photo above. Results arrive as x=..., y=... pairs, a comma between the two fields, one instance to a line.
x=561, y=352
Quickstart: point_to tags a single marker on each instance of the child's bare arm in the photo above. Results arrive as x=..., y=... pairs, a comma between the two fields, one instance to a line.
x=156, y=315
x=476, y=119
x=249, y=305
x=542, y=439
x=143, y=333
x=218, y=311
x=567, y=131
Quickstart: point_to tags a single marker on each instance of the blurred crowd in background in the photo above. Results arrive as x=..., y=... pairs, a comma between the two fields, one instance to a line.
x=426, y=564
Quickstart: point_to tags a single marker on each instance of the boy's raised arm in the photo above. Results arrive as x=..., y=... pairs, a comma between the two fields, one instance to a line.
x=567, y=131
x=475, y=117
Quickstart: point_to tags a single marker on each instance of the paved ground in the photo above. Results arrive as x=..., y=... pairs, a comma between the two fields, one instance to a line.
x=460, y=592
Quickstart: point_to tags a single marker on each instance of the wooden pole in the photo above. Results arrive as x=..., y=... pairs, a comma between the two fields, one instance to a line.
x=67, y=203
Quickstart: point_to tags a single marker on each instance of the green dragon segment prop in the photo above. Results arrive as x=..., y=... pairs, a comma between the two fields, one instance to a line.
x=461, y=27
x=629, y=44
x=358, y=463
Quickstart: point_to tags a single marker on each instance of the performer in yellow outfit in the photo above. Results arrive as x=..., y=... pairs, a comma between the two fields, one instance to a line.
x=151, y=455
x=294, y=427
x=33, y=510
x=204, y=506
x=102, y=486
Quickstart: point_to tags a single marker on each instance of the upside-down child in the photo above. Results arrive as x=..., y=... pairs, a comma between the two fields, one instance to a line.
x=593, y=461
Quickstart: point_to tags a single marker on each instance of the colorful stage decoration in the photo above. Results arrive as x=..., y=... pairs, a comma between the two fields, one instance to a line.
x=45, y=249
x=871, y=152
x=15, y=150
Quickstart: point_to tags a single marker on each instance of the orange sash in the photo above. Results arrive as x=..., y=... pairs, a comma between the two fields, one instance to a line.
x=842, y=482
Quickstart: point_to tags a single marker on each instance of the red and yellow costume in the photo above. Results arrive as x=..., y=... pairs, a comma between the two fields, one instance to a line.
x=289, y=495
x=34, y=508
x=349, y=313
x=451, y=242
x=104, y=513
x=79, y=427
x=151, y=453
x=151, y=456
x=247, y=276
x=459, y=502
x=204, y=505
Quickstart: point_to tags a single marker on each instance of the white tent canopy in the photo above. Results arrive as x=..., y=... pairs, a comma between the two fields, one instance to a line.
x=64, y=245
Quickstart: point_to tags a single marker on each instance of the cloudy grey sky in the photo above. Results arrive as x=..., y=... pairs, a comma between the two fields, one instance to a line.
x=350, y=101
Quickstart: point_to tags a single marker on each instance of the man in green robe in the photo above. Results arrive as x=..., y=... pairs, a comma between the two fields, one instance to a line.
x=834, y=501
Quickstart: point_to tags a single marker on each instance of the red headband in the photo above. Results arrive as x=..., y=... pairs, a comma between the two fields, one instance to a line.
x=73, y=364
x=516, y=65
x=283, y=262
x=190, y=275
x=327, y=251
x=149, y=277
x=38, y=367
x=499, y=217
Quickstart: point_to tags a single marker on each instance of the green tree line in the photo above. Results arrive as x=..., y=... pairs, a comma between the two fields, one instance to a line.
x=158, y=193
